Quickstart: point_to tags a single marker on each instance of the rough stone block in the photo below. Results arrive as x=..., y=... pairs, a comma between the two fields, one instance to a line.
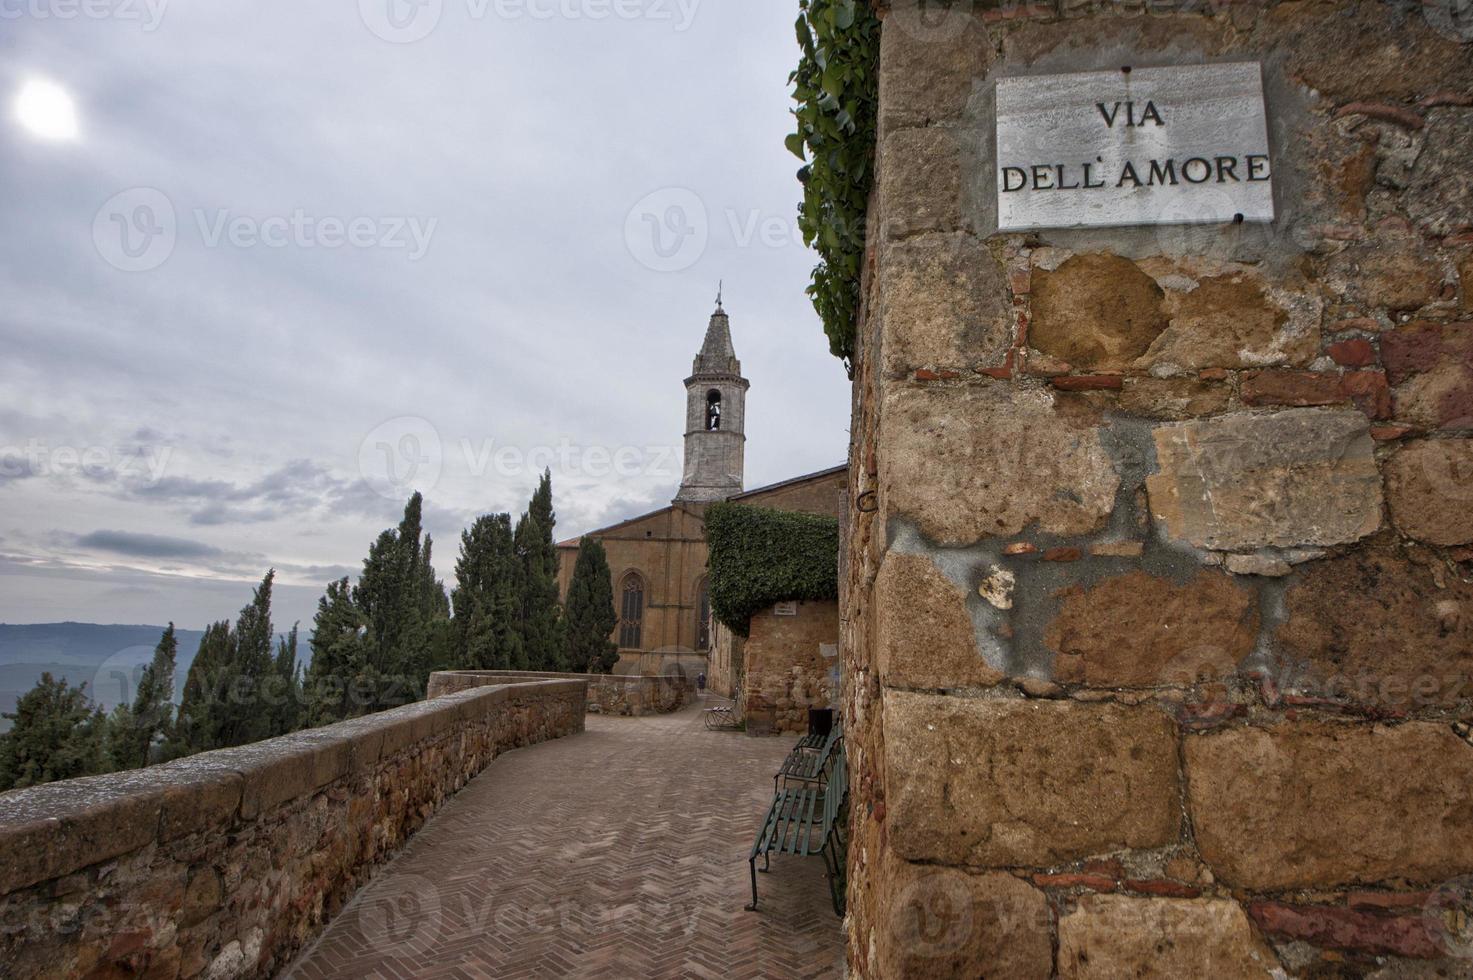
x=991, y=459
x=1391, y=273
x=931, y=58
x=1439, y=195
x=1431, y=365
x=1429, y=488
x=1110, y=936
x=1231, y=321
x=1416, y=935
x=942, y=922
x=944, y=305
x=1301, y=388
x=923, y=632
x=1137, y=630
x=993, y=783
x=1310, y=804
x=1379, y=54
x=54, y=829
x=920, y=174
x=1373, y=627
x=1095, y=312
x=1173, y=398
x=1242, y=482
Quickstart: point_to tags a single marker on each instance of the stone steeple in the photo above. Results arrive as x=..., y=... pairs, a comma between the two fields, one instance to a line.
x=715, y=417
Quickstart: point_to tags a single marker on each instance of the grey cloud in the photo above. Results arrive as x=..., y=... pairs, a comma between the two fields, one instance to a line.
x=14, y=467
x=137, y=545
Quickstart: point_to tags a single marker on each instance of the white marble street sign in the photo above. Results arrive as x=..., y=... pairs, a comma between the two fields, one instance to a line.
x=1149, y=146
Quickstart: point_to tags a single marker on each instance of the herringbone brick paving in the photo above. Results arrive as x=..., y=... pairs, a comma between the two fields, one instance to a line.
x=620, y=852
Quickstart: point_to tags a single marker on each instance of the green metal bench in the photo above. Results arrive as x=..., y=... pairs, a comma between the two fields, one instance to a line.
x=803, y=764
x=723, y=717
x=805, y=819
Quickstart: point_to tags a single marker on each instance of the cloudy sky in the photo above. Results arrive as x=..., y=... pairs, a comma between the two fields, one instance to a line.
x=266, y=266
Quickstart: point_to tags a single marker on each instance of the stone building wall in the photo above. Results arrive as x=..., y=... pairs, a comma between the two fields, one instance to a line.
x=1159, y=642
x=816, y=493
x=667, y=548
x=226, y=863
x=727, y=664
x=607, y=694
x=790, y=666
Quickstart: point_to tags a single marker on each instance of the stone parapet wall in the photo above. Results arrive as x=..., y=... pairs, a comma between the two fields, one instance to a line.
x=1158, y=639
x=607, y=694
x=226, y=863
x=791, y=665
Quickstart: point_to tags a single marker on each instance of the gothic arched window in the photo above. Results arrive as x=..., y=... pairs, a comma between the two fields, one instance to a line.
x=703, y=617
x=631, y=611
x=713, y=410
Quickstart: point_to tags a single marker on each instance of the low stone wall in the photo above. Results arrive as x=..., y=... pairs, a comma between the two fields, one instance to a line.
x=607, y=694
x=791, y=666
x=226, y=863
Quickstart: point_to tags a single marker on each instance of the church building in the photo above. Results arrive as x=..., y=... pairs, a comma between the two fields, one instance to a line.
x=658, y=560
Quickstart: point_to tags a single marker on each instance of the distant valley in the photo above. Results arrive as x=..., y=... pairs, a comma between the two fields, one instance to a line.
x=108, y=658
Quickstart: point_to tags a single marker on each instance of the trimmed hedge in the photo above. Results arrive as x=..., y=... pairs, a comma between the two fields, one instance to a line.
x=760, y=556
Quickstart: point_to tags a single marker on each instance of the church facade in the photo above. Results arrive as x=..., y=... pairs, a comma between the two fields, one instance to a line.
x=658, y=560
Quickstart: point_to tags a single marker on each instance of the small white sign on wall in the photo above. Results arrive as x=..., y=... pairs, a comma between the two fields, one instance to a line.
x=785, y=609
x=1146, y=146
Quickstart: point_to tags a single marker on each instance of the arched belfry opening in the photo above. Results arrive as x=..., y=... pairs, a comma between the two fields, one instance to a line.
x=713, y=410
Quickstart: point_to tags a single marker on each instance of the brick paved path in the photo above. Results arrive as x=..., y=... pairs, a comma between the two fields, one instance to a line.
x=617, y=853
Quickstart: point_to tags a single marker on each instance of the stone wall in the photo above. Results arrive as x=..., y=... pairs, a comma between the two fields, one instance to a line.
x=789, y=663
x=226, y=863
x=607, y=694
x=1159, y=642
x=727, y=663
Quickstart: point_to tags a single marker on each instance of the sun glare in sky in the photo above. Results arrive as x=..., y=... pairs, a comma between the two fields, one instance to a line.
x=46, y=110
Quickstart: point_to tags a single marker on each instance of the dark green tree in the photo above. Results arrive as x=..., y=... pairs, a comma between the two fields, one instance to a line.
x=286, y=688
x=336, y=685
x=589, y=612
x=487, y=597
x=58, y=733
x=405, y=611
x=137, y=726
x=229, y=687
x=199, y=723
x=543, y=636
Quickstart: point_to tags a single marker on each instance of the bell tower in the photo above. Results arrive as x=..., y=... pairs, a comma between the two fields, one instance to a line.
x=715, y=417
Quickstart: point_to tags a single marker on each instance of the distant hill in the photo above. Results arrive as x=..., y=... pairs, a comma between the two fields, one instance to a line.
x=107, y=658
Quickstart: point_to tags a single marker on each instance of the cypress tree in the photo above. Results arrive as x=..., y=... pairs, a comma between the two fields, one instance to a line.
x=487, y=597
x=226, y=694
x=199, y=723
x=286, y=700
x=590, y=613
x=58, y=733
x=543, y=635
x=405, y=611
x=137, y=726
x=336, y=683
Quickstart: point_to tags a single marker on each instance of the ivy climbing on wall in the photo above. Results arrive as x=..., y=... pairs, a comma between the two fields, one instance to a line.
x=836, y=86
x=757, y=557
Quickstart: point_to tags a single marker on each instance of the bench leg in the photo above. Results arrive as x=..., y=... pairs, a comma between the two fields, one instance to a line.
x=830, y=871
x=753, y=865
